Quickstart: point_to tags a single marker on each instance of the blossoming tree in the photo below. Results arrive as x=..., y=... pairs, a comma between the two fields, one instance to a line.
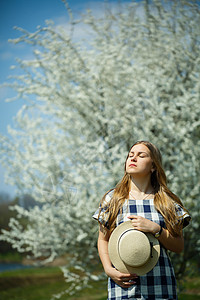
x=135, y=77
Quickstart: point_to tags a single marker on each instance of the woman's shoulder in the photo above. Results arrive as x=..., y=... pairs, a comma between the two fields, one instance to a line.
x=182, y=213
x=108, y=196
x=101, y=214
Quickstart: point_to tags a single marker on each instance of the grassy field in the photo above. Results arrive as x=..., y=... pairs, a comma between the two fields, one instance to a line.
x=42, y=283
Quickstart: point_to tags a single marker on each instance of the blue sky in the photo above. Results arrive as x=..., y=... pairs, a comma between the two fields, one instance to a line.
x=27, y=14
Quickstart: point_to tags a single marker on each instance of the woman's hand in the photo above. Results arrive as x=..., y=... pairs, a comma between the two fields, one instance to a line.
x=144, y=225
x=172, y=243
x=123, y=280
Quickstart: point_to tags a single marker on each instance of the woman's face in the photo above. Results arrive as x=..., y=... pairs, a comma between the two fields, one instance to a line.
x=139, y=162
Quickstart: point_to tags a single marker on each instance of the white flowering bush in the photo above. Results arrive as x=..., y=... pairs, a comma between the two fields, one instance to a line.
x=136, y=76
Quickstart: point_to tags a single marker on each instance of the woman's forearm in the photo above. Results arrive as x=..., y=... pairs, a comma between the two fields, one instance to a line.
x=123, y=280
x=175, y=244
x=103, y=252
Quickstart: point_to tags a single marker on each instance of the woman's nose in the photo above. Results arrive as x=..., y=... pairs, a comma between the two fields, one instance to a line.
x=134, y=158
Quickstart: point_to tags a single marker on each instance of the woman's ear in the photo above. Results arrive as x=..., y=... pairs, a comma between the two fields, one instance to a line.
x=153, y=168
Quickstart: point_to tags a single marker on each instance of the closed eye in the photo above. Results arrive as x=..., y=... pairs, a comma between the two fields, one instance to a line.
x=140, y=154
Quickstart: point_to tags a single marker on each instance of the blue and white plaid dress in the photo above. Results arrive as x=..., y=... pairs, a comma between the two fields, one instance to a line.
x=160, y=282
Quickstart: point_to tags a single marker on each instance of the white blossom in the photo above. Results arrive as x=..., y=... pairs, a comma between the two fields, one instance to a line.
x=136, y=77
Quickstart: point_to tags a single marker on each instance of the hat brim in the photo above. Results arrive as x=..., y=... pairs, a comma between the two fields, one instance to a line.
x=115, y=257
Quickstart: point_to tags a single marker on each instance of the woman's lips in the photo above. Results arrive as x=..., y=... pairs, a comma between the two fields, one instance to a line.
x=132, y=165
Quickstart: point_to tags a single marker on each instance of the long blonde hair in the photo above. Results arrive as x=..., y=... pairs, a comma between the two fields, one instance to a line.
x=163, y=198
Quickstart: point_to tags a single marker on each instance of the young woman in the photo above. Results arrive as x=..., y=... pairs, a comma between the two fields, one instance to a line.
x=143, y=197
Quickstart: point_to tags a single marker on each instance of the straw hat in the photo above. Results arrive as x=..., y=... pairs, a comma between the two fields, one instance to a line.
x=133, y=251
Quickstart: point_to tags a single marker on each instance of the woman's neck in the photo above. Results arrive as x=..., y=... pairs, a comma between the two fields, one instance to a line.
x=140, y=186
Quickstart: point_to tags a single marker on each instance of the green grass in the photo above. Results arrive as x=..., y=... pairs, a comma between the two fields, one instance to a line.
x=37, y=272
x=33, y=283
x=42, y=283
x=189, y=297
x=191, y=289
x=10, y=257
